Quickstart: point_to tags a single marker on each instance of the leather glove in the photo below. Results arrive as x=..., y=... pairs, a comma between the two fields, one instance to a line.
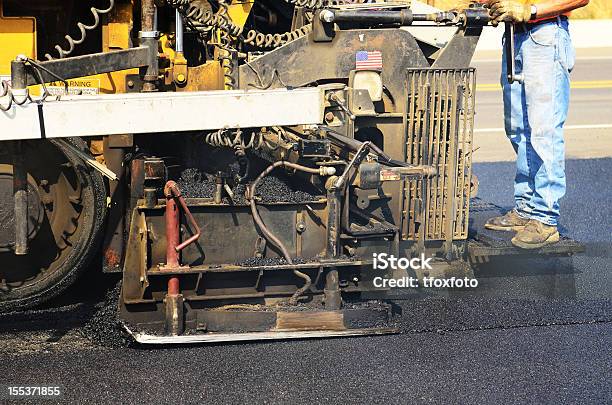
x=509, y=11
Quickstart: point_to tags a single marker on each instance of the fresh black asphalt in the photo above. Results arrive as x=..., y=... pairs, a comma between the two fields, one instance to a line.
x=536, y=331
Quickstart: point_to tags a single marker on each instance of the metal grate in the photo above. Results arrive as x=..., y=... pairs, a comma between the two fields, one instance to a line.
x=438, y=119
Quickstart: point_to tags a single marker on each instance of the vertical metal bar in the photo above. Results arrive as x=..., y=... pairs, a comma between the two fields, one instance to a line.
x=452, y=176
x=435, y=220
x=114, y=245
x=447, y=169
x=148, y=15
x=19, y=78
x=333, y=297
x=173, y=286
x=461, y=178
x=427, y=119
x=419, y=116
x=431, y=142
x=333, y=223
x=148, y=38
x=173, y=301
x=468, y=83
x=20, y=195
x=179, y=33
x=412, y=159
x=172, y=232
x=404, y=184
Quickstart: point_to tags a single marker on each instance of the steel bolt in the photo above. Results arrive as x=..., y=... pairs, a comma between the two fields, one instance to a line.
x=329, y=116
x=327, y=16
x=300, y=227
x=130, y=84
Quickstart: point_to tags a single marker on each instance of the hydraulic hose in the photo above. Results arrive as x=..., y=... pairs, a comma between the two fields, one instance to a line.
x=322, y=171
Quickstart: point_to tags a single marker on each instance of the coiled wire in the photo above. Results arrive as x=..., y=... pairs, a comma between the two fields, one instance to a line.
x=6, y=92
x=205, y=20
x=312, y=4
x=239, y=141
x=234, y=139
x=96, y=12
x=226, y=52
x=177, y=3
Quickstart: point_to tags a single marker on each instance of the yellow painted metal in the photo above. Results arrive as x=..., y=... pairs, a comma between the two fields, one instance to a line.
x=208, y=76
x=17, y=36
x=239, y=11
x=116, y=32
x=116, y=35
x=166, y=42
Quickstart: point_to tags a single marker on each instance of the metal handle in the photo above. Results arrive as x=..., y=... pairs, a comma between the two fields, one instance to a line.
x=171, y=190
x=510, y=62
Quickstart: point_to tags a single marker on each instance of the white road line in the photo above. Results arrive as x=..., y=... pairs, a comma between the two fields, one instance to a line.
x=585, y=58
x=567, y=127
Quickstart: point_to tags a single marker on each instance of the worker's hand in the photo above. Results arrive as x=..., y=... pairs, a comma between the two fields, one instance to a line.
x=509, y=11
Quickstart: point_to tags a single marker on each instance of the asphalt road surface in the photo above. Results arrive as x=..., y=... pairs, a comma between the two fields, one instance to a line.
x=536, y=330
x=539, y=331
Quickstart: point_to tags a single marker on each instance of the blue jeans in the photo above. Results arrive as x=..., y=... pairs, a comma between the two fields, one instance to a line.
x=535, y=112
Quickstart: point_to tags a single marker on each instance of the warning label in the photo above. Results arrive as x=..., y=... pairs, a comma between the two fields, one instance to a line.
x=77, y=87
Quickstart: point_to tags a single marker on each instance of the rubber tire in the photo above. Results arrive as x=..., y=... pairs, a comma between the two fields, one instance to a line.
x=82, y=252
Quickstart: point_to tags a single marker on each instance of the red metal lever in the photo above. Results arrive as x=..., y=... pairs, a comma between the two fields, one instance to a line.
x=172, y=191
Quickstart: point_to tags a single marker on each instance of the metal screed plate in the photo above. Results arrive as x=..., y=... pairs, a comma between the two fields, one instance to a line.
x=253, y=336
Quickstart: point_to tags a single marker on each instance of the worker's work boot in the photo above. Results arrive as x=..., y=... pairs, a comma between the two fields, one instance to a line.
x=536, y=235
x=510, y=221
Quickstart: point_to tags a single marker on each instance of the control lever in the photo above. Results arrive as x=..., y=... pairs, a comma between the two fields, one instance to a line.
x=510, y=65
x=334, y=97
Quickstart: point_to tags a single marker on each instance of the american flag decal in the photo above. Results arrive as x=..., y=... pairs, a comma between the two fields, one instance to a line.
x=368, y=60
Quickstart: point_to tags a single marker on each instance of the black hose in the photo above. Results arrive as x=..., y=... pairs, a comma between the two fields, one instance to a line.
x=269, y=235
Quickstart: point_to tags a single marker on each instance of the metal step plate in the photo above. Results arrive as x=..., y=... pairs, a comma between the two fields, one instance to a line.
x=487, y=243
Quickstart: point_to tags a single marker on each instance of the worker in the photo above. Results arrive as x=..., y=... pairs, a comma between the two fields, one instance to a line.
x=535, y=111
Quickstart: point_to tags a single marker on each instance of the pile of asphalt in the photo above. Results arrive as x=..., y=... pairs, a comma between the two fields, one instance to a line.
x=278, y=261
x=269, y=261
x=275, y=188
x=196, y=184
x=104, y=328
